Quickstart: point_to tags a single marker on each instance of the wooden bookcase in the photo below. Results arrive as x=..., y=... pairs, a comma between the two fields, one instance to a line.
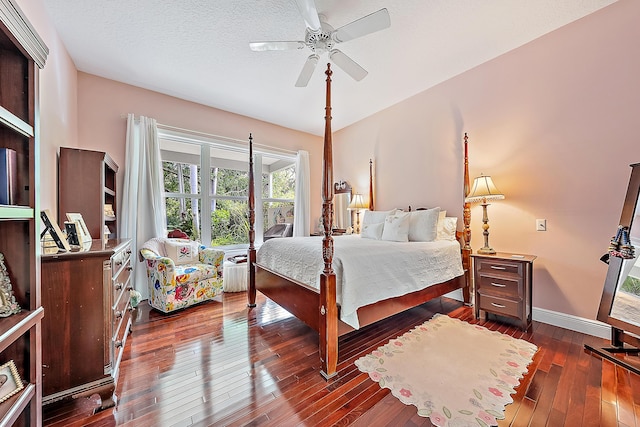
x=22, y=53
x=87, y=182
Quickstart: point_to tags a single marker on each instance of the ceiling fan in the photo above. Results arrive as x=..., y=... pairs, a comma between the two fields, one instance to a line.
x=321, y=37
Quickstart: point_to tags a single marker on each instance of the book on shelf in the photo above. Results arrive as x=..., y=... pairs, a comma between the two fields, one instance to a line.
x=8, y=177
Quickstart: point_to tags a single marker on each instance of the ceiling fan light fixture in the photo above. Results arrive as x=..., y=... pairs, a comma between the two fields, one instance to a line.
x=320, y=37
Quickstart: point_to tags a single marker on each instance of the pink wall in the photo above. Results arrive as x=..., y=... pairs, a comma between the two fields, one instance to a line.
x=554, y=123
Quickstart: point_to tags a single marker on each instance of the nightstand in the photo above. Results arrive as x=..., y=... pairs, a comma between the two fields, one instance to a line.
x=503, y=285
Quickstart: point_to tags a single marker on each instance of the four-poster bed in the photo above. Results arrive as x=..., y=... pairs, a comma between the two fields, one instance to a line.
x=319, y=308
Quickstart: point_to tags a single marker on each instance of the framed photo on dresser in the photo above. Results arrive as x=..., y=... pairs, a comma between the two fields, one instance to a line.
x=83, y=231
x=52, y=227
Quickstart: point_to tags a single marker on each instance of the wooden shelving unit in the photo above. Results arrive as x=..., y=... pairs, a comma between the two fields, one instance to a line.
x=87, y=181
x=22, y=54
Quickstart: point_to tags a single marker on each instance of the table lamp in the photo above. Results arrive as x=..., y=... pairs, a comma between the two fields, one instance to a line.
x=484, y=189
x=357, y=204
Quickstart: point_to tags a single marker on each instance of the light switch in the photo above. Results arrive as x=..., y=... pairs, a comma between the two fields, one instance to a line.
x=541, y=225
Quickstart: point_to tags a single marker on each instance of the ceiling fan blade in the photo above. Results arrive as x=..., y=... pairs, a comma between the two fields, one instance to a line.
x=307, y=70
x=309, y=13
x=260, y=46
x=348, y=65
x=366, y=25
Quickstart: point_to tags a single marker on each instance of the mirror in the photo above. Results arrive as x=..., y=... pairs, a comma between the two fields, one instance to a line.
x=341, y=200
x=620, y=303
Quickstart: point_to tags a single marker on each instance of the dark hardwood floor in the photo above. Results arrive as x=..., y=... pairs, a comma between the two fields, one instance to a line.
x=220, y=363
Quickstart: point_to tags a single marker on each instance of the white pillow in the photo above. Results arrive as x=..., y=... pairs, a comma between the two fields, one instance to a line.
x=447, y=228
x=372, y=231
x=182, y=251
x=423, y=225
x=375, y=217
x=396, y=227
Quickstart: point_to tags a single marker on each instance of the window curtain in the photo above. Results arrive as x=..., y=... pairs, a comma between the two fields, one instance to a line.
x=301, y=203
x=143, y=188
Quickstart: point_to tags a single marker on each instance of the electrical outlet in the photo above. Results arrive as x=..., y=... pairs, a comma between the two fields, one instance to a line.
x=541, y=225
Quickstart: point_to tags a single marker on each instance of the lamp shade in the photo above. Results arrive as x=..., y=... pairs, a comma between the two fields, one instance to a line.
x=357, y=203
x=483, y=189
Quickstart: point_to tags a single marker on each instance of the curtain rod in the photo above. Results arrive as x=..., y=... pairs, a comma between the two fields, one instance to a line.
x=218, y=137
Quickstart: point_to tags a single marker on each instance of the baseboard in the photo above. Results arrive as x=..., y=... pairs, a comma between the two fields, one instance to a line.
x=574, y=323
x=561, y=320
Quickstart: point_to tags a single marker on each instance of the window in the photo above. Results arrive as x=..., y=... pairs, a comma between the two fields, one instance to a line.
x=206, y=185
x=278, y=191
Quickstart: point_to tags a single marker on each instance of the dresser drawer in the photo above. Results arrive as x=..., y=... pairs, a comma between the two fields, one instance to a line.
x=499, y=305
x=119, y=340
x=119, y=309
x=500, y=267
x=121, y=283
x=121, y=261
x=497, y=285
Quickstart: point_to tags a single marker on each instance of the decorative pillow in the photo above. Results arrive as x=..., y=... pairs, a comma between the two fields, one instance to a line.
x=182, y=251
x=372, y=231
x=423, y=225
x=375, y=217
x=447, y=228
x=396, y=227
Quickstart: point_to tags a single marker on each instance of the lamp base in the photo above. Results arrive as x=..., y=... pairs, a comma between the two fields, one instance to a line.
x=486, y=251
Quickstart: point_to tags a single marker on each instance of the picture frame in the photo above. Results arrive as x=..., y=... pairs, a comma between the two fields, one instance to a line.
x=52, y=227
x=10, y=381
x=77, y=217
x=74, y=233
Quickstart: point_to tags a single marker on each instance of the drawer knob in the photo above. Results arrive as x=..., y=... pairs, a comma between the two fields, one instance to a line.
x=498, y=305
x=129, y=268
x=118, y=286
x=497, y=267
x=118, y=344
x=498, y=285
x=118, y=314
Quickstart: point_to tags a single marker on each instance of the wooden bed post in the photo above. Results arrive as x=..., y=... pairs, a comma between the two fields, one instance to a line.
x=466, y=216
x=328, y=307
x=371, y=206
x=251, y=255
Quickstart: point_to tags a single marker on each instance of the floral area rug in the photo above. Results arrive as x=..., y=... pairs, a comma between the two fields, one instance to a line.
x=455, y=373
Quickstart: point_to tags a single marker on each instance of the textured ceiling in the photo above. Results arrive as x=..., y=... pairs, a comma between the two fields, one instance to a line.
x=198, y=49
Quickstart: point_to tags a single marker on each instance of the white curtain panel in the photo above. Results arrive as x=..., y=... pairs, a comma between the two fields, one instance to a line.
x=301, y=203
x=143, y=188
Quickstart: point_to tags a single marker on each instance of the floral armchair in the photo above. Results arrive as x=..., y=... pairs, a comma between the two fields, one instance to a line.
x=181, y=272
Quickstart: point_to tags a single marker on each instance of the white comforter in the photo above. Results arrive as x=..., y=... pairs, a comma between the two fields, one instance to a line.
x=367, y=270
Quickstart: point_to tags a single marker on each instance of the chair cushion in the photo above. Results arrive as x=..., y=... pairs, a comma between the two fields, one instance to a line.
x=192, y=273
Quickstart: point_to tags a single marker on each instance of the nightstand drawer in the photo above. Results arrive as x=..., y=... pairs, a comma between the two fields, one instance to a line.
x=499, y=266
x=500, y=286
x=499, y=305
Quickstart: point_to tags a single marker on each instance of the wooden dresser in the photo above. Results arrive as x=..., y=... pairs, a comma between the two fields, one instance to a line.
x=503, y=285
x=85, y=295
